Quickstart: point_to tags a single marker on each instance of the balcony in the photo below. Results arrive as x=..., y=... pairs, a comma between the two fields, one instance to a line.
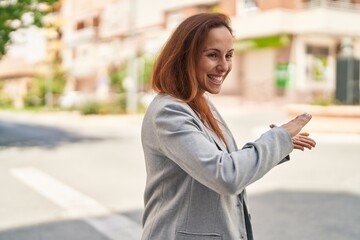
x=74, y=38
x=338, y=5
x=333, y=19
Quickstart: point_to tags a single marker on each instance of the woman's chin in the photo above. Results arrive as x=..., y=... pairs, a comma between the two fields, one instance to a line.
x=215, y=90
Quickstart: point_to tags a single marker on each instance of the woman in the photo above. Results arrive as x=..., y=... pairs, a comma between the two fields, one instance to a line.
x=196, y=175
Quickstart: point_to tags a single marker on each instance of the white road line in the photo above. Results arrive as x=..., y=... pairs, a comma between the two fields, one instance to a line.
x=78, y=205
x=74, y=203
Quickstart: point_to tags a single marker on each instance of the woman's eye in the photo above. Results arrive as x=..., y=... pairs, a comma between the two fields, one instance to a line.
x=212, y=55
x=229, y=56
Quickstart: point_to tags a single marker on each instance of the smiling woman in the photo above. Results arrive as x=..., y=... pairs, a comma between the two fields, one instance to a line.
x=181, y=66
x=215, y=60
x=196, y=174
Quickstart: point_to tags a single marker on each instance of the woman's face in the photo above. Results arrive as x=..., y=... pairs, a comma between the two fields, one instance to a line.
x=215, y=59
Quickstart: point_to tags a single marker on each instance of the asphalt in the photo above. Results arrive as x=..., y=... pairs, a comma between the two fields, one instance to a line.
x=314, y=196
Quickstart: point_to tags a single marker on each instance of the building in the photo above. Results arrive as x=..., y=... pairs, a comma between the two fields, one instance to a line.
x=285, y=49
x=290, y=47
x=101, y=35
x=22, y=64
x=30, y=55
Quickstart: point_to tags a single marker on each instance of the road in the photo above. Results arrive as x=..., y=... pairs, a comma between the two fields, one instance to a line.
x=66, y=176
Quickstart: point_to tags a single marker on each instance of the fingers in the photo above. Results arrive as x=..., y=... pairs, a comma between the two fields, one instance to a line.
x=295, y=125
x=303, y=118
x=303, y=137
x=302, y=146
x=272, y=125
x=302, y=141
x=304, y=134
x=298, y=147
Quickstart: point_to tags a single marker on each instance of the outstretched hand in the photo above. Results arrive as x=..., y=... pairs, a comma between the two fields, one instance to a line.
x=301, y=140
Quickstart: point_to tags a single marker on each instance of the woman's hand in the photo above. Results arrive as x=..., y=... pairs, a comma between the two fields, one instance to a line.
x=301, y=140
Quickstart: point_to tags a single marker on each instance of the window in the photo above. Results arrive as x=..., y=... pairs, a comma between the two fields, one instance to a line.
x=96, y=21
x=317, y=61
x=246, y=6
x=80, y=25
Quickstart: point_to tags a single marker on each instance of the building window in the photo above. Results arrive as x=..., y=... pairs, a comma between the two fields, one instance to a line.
x=324, y=51
x=96, y=21
x=317, y=63
x=246, y=6
x=80, y=25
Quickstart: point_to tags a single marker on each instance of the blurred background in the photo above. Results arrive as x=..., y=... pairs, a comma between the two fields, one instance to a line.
x=75, y=82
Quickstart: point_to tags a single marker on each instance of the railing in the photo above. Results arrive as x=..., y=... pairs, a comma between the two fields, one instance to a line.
x=337, y=5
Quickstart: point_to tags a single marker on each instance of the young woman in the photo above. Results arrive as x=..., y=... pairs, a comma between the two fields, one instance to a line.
x=196, y=175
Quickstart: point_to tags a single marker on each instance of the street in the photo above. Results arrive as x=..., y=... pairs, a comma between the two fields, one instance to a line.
x=67, y=176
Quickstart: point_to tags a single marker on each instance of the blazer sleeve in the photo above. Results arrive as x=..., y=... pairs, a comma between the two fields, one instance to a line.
x=183, y=139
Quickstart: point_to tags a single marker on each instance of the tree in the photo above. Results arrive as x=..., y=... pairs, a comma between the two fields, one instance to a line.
x=16, y=14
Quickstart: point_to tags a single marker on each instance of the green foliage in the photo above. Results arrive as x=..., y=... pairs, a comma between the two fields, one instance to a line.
x=12, y=11
x=58, y=79
x=5, y=101
x=319, y=66
x=322, y=100
x=33, y=100
x=92, y=107
x=117, y=76
x=146, y=73
x=41, y=85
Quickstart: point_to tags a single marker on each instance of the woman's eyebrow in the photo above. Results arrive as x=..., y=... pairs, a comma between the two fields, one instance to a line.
x=212, y=49
x=217, y=50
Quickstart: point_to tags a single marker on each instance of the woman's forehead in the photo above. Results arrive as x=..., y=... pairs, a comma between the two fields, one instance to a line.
x=219, y=37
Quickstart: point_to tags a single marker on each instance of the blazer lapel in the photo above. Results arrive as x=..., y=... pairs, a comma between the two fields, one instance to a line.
x=230, y=141
x=220, y=144
x=230, y=145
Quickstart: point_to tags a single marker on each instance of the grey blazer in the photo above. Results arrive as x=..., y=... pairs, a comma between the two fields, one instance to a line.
x=195, y=188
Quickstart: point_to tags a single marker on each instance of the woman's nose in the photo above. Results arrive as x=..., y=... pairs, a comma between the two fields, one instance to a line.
x=223, y=65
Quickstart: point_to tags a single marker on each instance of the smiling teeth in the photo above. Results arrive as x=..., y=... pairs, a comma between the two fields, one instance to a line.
x=216, y=78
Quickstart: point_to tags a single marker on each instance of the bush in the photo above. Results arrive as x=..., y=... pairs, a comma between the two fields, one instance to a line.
x=32, y=100
x=39, y=87
x=90, y=107
x=323, y=101
x=5, y=101
x=117, y=77
x=117, y=106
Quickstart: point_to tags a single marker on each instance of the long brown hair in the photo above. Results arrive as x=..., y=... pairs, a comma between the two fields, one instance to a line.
x=175, y=69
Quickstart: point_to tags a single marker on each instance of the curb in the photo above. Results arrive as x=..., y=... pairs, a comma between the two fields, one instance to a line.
x=325, y=111
x=329, y=119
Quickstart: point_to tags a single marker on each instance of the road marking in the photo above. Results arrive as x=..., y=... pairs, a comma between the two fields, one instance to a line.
x=78, y=205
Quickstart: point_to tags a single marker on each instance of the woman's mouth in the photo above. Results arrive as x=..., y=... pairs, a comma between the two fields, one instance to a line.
x=217, y=80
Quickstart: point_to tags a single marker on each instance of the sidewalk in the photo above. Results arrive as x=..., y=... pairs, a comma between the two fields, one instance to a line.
x=326, y=119
x=329, y=119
